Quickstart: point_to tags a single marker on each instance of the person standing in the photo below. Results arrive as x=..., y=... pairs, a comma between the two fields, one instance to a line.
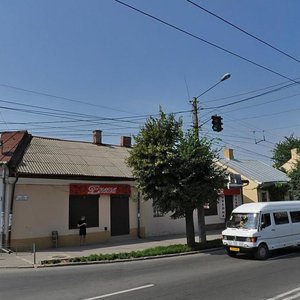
x=82, y=230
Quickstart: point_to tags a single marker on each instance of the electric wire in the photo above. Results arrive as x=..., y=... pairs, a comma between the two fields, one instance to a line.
x=244, y=31
x=205, y=41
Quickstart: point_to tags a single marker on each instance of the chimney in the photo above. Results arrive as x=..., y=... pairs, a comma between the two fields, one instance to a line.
x=295, y=153
x=126, y=141
x=97, y=137
x=228, y=154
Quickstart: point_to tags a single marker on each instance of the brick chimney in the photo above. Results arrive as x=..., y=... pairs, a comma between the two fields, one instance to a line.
x=228, y=154
x=97, y=137
x=126, y=141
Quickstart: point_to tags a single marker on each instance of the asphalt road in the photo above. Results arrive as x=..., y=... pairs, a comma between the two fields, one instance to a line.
x=200, y=276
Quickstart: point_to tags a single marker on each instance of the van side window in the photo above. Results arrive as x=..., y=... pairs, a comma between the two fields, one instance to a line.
x=266, y=220
x=281, y=218
x=295, y=216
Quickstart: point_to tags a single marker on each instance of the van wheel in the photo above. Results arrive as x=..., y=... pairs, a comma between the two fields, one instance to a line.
x=231, y=253
x=262, y=252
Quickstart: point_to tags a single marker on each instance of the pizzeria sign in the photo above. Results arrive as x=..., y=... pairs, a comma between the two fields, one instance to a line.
x=100, y=189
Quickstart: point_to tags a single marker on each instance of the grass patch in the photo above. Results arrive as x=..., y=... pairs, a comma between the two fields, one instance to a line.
x=156, y=251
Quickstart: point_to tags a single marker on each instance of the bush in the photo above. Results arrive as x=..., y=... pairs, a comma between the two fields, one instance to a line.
x=156, y=251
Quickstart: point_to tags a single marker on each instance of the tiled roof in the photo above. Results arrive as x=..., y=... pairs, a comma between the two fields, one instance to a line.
x=256, y=170
x=46, y=156
x=11, y=141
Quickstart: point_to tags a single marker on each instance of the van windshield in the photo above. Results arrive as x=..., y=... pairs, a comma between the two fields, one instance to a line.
x=243, y=220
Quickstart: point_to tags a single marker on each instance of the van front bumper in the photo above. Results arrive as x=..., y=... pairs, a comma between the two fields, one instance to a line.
x=239, y=249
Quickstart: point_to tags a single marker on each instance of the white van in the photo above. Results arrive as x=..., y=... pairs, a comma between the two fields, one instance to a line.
x=260, y=227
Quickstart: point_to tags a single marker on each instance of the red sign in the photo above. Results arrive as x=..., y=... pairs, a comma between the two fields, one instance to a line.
x=231, y=192
x=100, y=189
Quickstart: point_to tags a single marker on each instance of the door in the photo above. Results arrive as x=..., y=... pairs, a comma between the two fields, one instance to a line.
x=228, y=207
x=119, y=215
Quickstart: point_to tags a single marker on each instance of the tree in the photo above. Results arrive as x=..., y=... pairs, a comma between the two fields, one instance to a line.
x=175, y=170
x=282, y=150
x=294, y=183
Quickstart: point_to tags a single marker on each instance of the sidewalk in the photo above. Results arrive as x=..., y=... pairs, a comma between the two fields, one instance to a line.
x=114, y=245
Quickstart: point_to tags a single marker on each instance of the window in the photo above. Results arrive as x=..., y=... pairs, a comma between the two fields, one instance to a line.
x=264, y=196
x=266, y=220
x=295, y=216
x=157, y=213
x=87, y=206
x=211, y=209
x=281, y=218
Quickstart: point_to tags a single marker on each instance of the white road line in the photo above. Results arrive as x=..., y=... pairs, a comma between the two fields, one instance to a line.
x=121, y=292
x=296, y=296
x=286, y=294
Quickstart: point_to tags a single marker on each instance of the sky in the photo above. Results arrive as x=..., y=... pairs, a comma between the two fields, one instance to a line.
x=68, y=67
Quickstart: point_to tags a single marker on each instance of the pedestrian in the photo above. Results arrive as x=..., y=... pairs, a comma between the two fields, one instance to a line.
x=82, y=230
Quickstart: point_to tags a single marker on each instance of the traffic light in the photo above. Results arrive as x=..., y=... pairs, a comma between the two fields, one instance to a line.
x=217, y=123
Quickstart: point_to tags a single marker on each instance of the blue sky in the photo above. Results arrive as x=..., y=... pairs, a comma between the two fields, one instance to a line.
x=71, y=66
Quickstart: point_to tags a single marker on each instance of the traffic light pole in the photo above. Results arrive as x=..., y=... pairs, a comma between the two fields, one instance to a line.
x=200, y=210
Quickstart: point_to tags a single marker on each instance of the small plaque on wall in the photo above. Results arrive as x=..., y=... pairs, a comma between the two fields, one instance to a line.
x=21, y=198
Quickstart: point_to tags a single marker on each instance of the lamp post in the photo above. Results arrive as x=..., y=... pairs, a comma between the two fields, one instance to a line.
x=200, y=211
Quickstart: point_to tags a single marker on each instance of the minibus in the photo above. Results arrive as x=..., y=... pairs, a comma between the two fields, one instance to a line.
x=261, y=227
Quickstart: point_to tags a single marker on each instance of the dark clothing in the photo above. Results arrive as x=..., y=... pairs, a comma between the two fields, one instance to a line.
x=82, y=227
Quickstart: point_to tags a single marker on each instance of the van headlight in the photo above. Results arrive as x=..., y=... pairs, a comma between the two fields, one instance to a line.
x=251, y=239
x=224, y=237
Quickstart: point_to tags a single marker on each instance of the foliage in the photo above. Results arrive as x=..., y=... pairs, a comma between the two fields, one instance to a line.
x=156, y=251
x=295, y=181
x=278, y=191
x=176, y=170
x=282, y=150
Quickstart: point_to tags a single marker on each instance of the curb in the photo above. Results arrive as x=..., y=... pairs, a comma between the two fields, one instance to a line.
x=125, y=260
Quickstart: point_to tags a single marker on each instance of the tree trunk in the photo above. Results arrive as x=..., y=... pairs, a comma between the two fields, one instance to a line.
x=189, y=228
x=201, y=224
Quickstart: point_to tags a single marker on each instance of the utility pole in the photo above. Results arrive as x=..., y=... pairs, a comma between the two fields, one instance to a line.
x=200, y=210
x=195, y=118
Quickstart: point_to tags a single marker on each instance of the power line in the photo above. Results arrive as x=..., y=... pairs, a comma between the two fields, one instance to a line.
x=205, y=41
x=244, y=31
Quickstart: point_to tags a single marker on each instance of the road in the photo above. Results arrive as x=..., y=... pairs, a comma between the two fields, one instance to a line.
x=201, y=276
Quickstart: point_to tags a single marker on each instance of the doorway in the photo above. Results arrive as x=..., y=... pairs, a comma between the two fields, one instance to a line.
x=119, y=215
x=228, y=207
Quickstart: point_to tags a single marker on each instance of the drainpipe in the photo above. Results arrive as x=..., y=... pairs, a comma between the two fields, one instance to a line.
x=11, y=210
x=139, y=215
x=2, y=206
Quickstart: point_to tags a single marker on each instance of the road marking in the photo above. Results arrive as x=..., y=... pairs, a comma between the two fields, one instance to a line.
x=287, y=294
x=121, y=292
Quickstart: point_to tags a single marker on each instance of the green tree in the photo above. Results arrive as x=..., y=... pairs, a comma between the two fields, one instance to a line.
x=176, y=170
x=294, y=175
x=282, y=150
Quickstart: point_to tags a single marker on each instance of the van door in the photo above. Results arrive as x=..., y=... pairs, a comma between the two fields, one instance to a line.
x=267, y=230
x=283, y=229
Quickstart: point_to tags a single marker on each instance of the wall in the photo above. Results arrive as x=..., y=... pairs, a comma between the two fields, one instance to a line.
x=156, y=226
x=47, y=209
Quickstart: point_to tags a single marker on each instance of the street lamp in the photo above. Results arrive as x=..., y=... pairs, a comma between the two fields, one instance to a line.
x=195, y=102
x=200, y=212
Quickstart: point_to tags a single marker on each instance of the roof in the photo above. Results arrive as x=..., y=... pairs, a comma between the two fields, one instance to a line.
x=256, y=170
x=12, y=142
x=262, y=206
x=45, y=156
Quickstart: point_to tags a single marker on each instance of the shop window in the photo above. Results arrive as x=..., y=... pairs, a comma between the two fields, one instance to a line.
x=211, y=209
x=87, y=206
